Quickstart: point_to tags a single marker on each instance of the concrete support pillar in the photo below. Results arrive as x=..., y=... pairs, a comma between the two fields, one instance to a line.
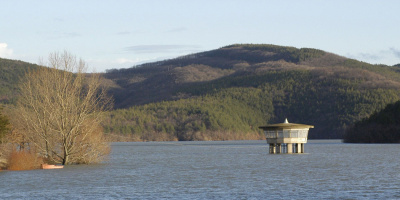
x=298, y=148
x=278, y=148
x=272, y=149
x=289, y=148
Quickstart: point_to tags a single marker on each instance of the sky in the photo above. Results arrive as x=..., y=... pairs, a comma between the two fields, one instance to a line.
x=113, y=34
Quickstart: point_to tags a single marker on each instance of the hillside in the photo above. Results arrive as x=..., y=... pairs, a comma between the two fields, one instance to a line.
x=165, y=80
x=10, y=72
x=228, y=92
x=153, y=82
x=234, y=89
x=380, y=127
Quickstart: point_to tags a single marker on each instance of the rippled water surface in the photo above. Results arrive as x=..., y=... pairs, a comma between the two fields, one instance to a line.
x=219, y=170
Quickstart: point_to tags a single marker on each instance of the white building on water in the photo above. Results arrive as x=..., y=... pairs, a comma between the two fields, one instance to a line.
x=286, y=137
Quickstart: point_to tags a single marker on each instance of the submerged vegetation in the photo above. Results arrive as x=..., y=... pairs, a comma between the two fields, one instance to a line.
x=57, y=116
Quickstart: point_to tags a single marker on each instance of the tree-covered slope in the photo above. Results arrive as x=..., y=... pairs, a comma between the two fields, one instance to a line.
x=380, y=127
x=305, y=85
x=223, y=116
x=300, y=95
x=153, y=82
x=228, y=92
x=10, y=73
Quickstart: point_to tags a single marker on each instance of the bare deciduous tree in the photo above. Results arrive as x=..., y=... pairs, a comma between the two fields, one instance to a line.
x=59, y=112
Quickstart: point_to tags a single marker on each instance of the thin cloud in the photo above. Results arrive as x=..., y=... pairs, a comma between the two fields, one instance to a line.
x=127, y=61
x=160, y=48
x=370, y=56
x=395, y=52
x=178, y=29
x=70, y=35
x=59, y=19
x=64, y=35
x=387, y=56
x=127, y=32
x=124, y=33
x=5, y=52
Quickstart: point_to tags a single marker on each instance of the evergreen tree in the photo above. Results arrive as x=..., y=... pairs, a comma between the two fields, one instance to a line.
x=4, y=125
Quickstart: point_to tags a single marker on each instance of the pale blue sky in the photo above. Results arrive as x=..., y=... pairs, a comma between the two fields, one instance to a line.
x=119, y=34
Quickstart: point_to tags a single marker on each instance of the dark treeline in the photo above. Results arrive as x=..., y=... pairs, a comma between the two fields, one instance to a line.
x=4, y=124
x=380, y=127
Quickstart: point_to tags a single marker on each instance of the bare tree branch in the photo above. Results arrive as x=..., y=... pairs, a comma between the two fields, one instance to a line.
x=60, y=109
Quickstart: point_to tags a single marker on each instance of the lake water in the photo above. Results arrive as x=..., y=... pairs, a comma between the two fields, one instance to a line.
x=219, y=170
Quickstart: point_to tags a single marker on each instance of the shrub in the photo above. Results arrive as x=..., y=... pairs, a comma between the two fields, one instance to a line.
x=24, y=160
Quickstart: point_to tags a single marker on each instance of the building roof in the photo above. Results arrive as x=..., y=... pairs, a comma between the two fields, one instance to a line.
x=286, y=125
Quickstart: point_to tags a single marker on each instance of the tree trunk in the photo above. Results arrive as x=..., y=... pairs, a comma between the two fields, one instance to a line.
x=65, y=160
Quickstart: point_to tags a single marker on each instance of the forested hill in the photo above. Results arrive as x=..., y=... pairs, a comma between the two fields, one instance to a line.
x=228, y=92
x=235, y=89
x=10, y=72
x=153, y=82
x=380, y=127
x=165, y=80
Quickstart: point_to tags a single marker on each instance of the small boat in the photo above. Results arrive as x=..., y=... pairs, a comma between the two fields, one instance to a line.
x=47, y=166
